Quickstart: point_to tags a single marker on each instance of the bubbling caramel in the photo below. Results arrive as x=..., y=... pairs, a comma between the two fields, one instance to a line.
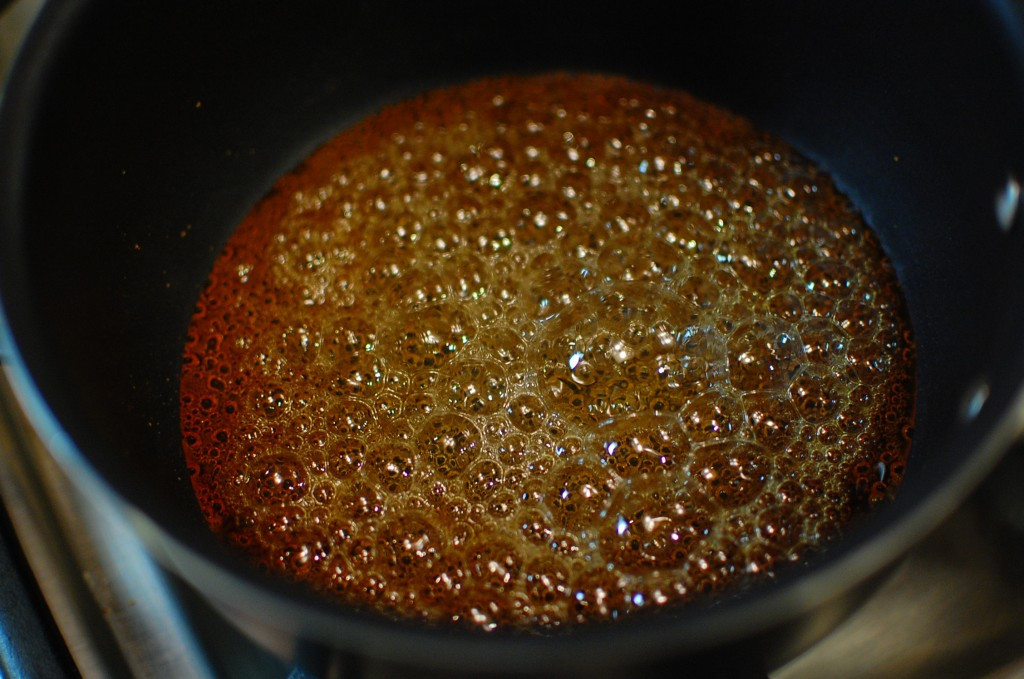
x=534, y=351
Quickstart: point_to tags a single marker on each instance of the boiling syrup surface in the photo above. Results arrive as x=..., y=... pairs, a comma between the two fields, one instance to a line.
x=542, y=350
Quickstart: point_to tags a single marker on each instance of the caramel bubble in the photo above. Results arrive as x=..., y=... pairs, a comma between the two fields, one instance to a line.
x=531, y=352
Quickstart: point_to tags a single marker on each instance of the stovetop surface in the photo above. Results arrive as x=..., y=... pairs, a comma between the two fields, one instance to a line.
x=30, y=642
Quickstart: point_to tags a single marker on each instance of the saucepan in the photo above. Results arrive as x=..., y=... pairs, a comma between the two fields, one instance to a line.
x=136, y=136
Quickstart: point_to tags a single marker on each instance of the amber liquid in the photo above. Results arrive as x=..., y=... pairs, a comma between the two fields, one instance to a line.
x=534, y=351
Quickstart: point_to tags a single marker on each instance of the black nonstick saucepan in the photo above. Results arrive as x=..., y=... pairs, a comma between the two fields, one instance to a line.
x=135, y=136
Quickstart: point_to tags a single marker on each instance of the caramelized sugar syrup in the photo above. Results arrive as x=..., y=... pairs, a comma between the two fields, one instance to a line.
x=534, y=351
